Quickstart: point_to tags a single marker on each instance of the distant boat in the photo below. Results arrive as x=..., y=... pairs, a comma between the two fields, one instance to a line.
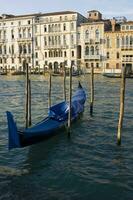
x=74, y=73
x=49, y=126
x=18, y=73
x=112, y=75
x=3, y=73
x=116, y=75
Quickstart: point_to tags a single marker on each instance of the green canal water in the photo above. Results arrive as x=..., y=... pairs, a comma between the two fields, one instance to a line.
x=88, y=166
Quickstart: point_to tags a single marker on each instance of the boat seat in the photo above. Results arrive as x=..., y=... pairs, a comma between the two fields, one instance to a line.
x=59, y=112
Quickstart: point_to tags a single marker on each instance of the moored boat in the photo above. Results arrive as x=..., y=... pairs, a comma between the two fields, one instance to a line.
x=56, y=120
x=116, y=75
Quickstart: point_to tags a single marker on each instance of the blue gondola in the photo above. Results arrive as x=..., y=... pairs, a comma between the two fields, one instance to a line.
x=56, y=120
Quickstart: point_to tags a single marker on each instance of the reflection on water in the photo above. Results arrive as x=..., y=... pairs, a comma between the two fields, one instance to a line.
x=89, y=165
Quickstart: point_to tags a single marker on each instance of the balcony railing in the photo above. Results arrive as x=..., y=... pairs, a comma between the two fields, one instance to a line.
x=56, y=47
x=24, y=39
x=127, y=59
x=127, y=47
x=24, y=55
x=94, y=40
x=93, y=57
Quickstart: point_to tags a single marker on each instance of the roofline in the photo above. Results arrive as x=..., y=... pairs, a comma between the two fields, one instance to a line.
x=39, y=14
x=91, y=23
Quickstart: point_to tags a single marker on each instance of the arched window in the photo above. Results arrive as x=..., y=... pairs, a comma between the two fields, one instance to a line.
x=97, y=33
x=29, y=48
x=64, y=27
x=97, y=50
x=86, y=34
x=24, y=49
x=20, y=49
x=45, y=54
x=92, y=50
x=56, y=53
x=87, y=50
x=127, y=40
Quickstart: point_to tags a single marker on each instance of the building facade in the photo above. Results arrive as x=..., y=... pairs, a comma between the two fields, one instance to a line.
x=51, y=40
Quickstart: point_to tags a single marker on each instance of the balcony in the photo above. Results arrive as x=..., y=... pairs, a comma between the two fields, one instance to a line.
x=24, y=39
x=94, y=41
x=127, y=59
x=22, y=55
x=56, y=47
x=92, y=57
x=126, y=47
x=90, y=41
x=3, y=40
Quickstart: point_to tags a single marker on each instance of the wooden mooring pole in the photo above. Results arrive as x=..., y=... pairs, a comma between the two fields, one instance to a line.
x=70, y=100
x=49, y=93
x=27, y=96
x=122, y=99
x=29, y=104
x=64, y=81
x=92, y=91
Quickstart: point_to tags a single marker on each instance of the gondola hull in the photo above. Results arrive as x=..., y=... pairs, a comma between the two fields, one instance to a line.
x=51, y=125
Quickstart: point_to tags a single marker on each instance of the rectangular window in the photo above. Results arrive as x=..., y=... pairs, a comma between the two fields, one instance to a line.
x=36, y=41
x=45, y=54
x=97, y=65
x=72, y=53
x=12, y=60
x=92, y=64
x=64, y=27
x=20, y=60
x=107, y=65
x=117, y=55
x=0, y=49
x=107, y=55
x=36, y=54
x=127, y=27
x=108, y=43
x=117, y=66
x=72, y=26
x=5, y=60
x=19, y=23
x=36, y=29
x=45, y=28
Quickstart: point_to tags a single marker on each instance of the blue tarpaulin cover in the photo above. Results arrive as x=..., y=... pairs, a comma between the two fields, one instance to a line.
x=57, y=118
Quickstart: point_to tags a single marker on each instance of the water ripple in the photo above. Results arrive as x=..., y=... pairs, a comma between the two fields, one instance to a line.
x=89, y=165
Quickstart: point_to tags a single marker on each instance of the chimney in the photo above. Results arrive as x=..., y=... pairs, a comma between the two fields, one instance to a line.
x=113, y=23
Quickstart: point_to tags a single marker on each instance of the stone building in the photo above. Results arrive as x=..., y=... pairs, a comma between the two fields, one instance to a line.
x=53, y=39
x=39, y=39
